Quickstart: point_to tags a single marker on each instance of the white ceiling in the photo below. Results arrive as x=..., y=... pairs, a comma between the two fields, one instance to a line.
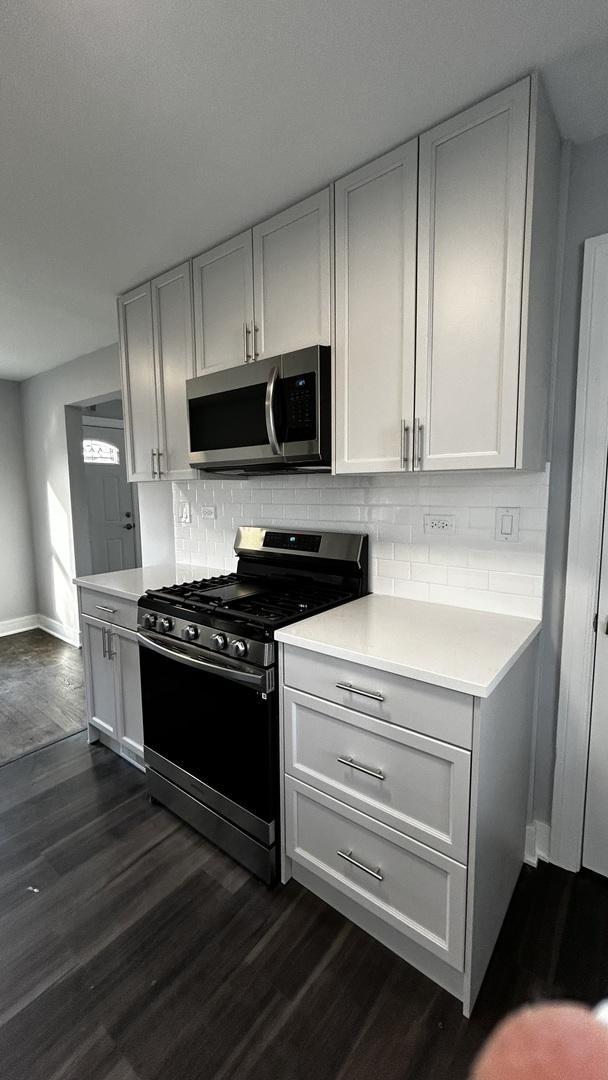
x=136, y=133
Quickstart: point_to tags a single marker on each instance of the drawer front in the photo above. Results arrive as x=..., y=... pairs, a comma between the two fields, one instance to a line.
x=415, y=784
x=418, y=706
x=112, y=609
x=417, y=891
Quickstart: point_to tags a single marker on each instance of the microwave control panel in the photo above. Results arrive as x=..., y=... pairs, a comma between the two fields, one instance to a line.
x=300, y=401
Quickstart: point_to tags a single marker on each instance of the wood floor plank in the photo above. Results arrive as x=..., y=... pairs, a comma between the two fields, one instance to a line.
x=147, y=954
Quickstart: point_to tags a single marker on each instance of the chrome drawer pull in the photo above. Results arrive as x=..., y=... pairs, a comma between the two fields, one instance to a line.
x=348, y=855
x=376, y=773
x=110, y=610
x=373, y=694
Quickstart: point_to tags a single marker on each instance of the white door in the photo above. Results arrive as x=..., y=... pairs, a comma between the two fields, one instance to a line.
x=223, y=305
x=174, y=353
x=139, y=381
x=595, y=837
x=292, y=278
x=99, y=674
x=375, y=210
x=128, y=688
x=472, y=206
x=112, y=521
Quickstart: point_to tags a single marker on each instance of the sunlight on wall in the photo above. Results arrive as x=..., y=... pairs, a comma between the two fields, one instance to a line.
x=62, y=559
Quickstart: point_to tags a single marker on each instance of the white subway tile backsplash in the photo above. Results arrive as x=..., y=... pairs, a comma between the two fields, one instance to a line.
x=469, y=568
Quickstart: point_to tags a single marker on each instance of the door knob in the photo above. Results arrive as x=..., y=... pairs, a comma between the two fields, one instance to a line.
x=129, y=526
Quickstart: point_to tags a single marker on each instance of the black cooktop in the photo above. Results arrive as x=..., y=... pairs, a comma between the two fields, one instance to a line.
x=258, y=601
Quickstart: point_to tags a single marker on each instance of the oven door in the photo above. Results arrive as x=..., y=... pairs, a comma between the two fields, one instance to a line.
x=235, y=417
x=211, y=730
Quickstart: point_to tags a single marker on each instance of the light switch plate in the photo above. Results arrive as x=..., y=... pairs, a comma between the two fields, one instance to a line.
x=507, y=524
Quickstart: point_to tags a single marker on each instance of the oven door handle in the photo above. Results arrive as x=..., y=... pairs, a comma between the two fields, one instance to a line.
x=271, y=430
x=263, y=681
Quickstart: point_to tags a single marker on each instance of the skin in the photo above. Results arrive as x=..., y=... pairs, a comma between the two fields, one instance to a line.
x=546, y=1042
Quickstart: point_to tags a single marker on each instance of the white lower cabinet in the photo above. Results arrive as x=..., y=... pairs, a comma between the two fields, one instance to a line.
x=404, y=805
x=112, y=684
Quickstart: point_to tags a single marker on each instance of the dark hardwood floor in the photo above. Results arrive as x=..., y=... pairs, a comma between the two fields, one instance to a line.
x=133, y=950
x=41, y=692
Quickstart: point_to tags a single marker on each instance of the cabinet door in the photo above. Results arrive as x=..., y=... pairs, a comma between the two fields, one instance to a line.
x=128, y=689
x=292, y=278
x=174, y=352
x=375, y=211
x=138, y=381
x=223, y=305
x=99, y=674
x=473, y=175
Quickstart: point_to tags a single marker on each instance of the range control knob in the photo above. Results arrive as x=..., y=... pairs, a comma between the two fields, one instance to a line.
x=239, y=648
x=191, y=633
x=165, y=625
x=219, y=642
x=149, y=622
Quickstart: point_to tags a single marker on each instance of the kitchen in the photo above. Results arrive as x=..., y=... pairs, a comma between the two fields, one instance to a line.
x=350, y=425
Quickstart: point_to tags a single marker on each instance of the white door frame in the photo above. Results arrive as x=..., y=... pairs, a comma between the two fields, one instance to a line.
x=583, y=567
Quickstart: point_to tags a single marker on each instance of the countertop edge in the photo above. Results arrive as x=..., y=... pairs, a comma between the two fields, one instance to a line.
x=108, y=590
x=422, y=675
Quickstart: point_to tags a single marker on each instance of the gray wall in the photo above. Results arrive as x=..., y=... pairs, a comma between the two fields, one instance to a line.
x=44, y=399
x=587, y=215
x=17, y=582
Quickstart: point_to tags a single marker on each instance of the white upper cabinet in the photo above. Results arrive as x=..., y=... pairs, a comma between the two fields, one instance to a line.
x=174, y=353
x=485, y=251
x=375, y=213
x=138, y=381
x=223, y=305
x=157, y=356
x=292, y=278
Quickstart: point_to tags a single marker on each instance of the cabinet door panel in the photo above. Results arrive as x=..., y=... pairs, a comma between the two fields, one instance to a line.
x=138, y=380
x=128, y=689
x=223, y=304
x=375, y=312
x=473, y=174
x=99, y=675
x=292, y=272
x=174, y=351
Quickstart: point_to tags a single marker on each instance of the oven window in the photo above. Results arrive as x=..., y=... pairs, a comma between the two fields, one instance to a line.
x=220, y=732
x=229, y=419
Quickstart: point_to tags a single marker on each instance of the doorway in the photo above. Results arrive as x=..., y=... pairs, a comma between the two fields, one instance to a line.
x=105, y=510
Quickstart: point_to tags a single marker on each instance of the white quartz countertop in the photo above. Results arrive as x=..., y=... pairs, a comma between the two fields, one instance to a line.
x=461, y=649
x=131, y=584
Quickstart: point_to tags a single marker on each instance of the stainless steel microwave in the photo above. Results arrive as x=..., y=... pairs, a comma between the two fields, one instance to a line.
x=263, y=417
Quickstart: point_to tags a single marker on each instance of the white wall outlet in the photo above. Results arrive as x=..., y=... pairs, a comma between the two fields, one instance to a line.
x=440, y=524
x=184, y=513
x=207, y=511
x=507, y=524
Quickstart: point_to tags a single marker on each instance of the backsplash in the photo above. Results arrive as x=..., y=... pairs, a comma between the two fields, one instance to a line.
x=469, y=568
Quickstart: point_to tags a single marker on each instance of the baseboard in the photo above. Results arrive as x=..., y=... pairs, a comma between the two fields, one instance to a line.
x=538, y=842
x=18, y=626
x=59, y=630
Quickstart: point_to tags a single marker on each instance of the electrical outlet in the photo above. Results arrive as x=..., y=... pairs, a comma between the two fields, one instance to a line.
x=507, y=523
x=184, y=513
x=440, y=524
x=207, y=511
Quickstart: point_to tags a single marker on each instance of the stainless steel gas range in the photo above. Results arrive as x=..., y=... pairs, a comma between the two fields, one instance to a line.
x=209, y=681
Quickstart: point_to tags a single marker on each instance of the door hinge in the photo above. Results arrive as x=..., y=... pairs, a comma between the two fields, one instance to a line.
x=595, y=623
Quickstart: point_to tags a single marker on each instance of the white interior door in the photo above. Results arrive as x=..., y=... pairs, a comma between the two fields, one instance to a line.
x=112, y=522
x=595, y=838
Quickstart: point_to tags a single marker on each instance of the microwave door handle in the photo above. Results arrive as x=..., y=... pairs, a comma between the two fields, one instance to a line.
x=269, y=410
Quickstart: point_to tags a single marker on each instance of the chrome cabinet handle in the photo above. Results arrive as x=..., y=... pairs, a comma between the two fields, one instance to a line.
x=102, y=607
x=153, y=454
x=373, y=694
x=405, y=444
x=348, y=857
x=159, y=471
x=268, y=407
x=246, y=336
x=256, y=351
x=103, y=643
x=109, y=651
x=418, y=443
x=376, y=773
